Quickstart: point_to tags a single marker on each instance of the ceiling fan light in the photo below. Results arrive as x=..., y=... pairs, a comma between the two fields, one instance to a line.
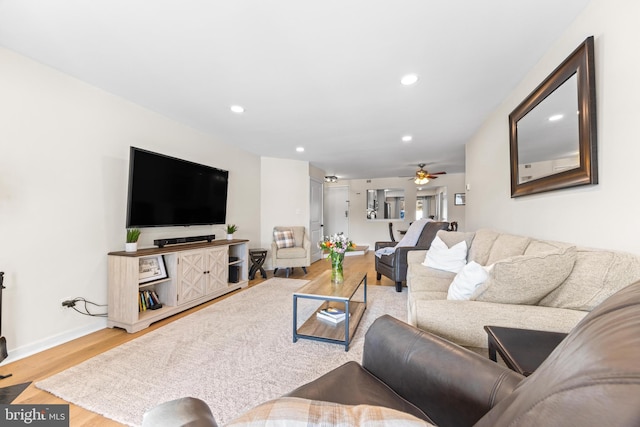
x=421, y=180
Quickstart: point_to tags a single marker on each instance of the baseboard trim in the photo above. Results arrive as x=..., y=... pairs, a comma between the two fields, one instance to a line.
x=37, y=347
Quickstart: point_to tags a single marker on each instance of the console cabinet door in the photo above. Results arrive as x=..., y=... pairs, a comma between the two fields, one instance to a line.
x=217, y=262
x=192, y=275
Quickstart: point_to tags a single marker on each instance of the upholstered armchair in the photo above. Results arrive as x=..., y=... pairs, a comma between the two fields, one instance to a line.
x=290, y=248
x=591, y=379
x=394, y=266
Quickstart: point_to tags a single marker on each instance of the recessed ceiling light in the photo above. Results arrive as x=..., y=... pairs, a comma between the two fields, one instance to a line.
x=299, y=149
x=409, y=79
x=555, y=117
x=238, y=109
x=407, y=138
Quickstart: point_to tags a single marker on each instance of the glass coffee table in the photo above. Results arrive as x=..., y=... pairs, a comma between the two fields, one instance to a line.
x=339, y=296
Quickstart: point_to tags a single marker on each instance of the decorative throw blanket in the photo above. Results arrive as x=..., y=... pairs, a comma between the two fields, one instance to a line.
x=409, y=239
x=294, y=411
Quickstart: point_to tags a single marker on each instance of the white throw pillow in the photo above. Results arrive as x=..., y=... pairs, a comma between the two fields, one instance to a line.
x=442, y=257
x=467, y=281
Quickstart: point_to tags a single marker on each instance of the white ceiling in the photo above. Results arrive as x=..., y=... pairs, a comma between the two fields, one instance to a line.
x=324, y=75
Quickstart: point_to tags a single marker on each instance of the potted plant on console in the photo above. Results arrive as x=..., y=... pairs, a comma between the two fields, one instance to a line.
x=231, y=228
x=132, y=240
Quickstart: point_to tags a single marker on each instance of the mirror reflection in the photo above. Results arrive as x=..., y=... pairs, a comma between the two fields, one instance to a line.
x=385, y=203
x=432, y=204
x=548, y=135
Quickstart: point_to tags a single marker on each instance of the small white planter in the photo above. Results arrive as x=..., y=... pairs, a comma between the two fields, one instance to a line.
x=229, y=236
x=131, y=247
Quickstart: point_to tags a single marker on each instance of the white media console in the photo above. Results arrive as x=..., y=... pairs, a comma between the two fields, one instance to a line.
x=196, y=273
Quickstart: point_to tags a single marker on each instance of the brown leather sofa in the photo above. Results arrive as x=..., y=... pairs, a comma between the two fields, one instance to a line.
x=591, y=379
x=394, y=266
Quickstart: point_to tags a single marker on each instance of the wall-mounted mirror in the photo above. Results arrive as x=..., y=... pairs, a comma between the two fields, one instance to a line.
x=553, y=132
x=385, y=203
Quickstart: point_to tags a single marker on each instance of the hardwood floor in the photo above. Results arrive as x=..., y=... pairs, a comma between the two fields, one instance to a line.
x=57, y=359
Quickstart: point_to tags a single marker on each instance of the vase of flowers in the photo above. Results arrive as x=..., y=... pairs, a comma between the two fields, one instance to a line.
x=336, y=246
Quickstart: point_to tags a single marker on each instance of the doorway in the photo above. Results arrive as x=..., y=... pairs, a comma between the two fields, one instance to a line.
x=336, y=211
x=315, y=220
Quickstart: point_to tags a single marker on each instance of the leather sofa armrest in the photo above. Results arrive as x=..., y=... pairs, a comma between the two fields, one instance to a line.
x=379, y=245
x=435, y=374
x=186, y=411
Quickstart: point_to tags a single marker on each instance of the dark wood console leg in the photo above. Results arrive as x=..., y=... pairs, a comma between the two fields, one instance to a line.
x=378, y=276
x=398, y=286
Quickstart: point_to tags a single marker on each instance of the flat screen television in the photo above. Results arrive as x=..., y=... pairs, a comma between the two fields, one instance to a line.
x=166, y=191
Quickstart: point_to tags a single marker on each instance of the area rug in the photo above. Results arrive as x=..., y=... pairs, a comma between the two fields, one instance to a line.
x=233, y=354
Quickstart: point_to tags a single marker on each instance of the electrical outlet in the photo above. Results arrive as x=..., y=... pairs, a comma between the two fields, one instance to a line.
x=64, y=303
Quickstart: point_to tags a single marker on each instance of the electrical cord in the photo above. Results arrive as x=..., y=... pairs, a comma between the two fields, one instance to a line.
x=86, y=312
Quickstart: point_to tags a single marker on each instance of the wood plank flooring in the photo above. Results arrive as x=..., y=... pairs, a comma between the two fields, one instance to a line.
x=57, y=359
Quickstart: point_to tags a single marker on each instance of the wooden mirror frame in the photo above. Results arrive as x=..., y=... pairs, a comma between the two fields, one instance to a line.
x=581, y=63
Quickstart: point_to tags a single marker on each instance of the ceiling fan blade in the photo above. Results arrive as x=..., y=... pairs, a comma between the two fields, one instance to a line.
x=437, y=173
x=431, y=176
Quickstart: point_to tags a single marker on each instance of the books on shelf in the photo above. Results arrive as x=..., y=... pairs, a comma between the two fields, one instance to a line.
x=148, y=300
x=331, y=314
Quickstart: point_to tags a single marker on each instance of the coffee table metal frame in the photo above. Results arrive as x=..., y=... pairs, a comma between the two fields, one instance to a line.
x=322, y=289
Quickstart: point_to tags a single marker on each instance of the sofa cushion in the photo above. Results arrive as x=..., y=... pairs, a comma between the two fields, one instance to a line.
x=284, y=239
x=490, y=246
x=467, y=281
x=294, y=411
x=292, y=253
x=429, y=279
x=597, y=274
x=526, y=279
x=442, y=257
x=537, y=247
x=463, y=321
x=452, y=238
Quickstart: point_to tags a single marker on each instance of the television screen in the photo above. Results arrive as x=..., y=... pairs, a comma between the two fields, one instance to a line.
x=165, y=191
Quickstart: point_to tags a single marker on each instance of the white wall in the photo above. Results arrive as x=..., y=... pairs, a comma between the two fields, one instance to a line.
x=604, y=215
x=63, y=188
x=285, y=197
x=366, y=232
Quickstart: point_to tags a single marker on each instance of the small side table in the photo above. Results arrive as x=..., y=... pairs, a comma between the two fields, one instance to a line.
x=258, y=256
x=522, y=350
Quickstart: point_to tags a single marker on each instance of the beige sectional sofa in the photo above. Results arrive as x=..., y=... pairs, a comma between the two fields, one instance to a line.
x=533, y=284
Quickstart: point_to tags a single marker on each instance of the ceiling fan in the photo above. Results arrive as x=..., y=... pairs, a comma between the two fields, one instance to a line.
x=422, y=176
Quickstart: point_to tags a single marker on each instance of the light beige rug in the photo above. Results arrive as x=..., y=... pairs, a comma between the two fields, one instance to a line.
x=233, y=355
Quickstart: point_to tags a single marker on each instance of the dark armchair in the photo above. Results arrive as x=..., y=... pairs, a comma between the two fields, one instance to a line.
x=591, y=379
x=394, y=266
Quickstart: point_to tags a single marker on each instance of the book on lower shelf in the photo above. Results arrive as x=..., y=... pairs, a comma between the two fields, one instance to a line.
x=331, y=314
x=334, y=312
x=148, y=300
